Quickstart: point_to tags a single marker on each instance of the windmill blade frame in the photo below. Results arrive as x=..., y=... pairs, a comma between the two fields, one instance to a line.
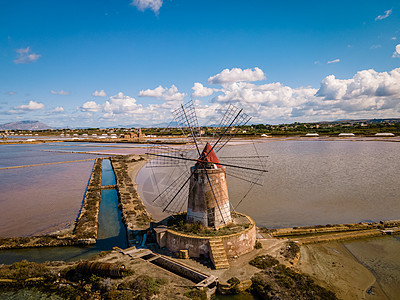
x=233, y=117
x=173, y=191
x=173, y=197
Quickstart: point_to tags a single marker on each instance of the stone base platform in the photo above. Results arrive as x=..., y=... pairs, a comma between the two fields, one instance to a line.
x=216, y=247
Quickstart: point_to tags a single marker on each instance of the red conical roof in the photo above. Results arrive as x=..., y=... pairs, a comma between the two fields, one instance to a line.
x=208, y=155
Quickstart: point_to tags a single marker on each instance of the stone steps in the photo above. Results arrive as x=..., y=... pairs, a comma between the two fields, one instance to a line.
x=218, y=254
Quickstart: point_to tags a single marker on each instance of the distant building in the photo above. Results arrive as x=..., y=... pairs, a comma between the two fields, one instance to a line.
x=312, y=134
x=383, y=134
x=346, y=134
x=129, y=135
x=133, y=134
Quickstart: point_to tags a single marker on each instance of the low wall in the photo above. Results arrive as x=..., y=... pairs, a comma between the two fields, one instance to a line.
x=234, y=244
x=87, y=224
x=297, y=231
x=241, y=243
x=180, y=269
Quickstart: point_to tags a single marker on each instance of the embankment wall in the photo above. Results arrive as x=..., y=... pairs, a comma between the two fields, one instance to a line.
x=134, y=213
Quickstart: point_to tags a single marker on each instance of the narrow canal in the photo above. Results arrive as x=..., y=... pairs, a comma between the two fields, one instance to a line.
x=111, y=232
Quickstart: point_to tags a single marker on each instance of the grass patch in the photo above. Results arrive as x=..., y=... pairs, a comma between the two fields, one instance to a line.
x=280, y=282
x=143, y=286
x=24, y=270
x=264, y=261
x=291, y=251
x=178, y=223
x=258, y=245
x=196, y=294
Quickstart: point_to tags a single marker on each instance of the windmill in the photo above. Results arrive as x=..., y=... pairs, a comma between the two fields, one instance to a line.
x=202, y=184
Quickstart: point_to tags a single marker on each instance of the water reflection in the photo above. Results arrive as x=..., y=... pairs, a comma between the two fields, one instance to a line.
x=308, y=182
x=111, y=233
x=107, y=175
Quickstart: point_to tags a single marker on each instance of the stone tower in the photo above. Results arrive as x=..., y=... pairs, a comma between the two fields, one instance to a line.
x=207, y=203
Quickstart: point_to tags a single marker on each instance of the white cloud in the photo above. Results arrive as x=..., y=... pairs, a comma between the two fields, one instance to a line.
x=201, y=91
x=161, y=93
x=384, y=16
x=157, y=92
x=32, y=105
x=142, y=5
x=11, y=93
x=123, y=109
x=276, y=98
x=333, y=61
x=121, y=104
x=396, y=53
x=62, y=92
x=90, y=106
x=368, y=94
x=100, y=93
x=58, y=109
x=237, y=74
x=393, y=38
x=368, y=85
x=24, y=56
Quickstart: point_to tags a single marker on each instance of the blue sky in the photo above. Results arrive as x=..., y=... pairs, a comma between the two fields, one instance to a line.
x=112, y=63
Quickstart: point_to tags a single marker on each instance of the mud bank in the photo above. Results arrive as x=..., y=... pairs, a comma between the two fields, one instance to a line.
x=332, y=266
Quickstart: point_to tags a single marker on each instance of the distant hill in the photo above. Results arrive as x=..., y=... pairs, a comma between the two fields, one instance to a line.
x=24, y=125
x=367, y=121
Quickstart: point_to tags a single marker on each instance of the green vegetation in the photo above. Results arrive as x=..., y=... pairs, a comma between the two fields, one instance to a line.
x=24, y=270
x=258, y=245
x=234, y=285
x=291, y=251
x=360, y=127
x=178, y=223
x=196, y=294
x=143, y=286
x=55, y=278
x=280, y=282
x=264, y=261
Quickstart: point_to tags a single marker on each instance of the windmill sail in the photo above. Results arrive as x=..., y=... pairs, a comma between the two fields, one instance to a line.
x=233, y=118
x=254, y=173
x=161, y=160
x=174, y=196
x=204, y=188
